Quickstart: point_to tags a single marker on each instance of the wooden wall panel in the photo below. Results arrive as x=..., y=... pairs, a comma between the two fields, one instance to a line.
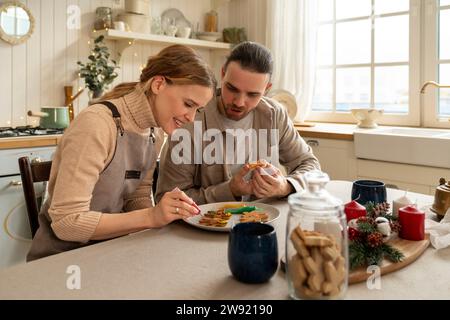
x=34, y=74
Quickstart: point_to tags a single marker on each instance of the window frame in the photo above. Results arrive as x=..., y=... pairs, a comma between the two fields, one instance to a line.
x=430, y=99
x=413, y=118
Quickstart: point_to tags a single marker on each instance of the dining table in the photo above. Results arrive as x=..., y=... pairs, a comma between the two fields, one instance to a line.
x=182, y=262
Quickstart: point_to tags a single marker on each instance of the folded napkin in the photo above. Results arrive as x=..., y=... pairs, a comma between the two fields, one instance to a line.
x=439, y=231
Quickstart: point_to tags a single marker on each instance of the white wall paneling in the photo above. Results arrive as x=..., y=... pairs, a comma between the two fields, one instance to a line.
x=34, y=73
x=47, y=20
x=5, y=84
x=32, y=88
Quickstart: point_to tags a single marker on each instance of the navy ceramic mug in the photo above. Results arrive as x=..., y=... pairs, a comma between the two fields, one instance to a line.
x=253, y=252
x=364, y=191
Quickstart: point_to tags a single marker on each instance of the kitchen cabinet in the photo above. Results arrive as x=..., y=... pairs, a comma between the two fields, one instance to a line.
x=414, y=178
x=15, y=235
x=336, y=157
x=15, y=238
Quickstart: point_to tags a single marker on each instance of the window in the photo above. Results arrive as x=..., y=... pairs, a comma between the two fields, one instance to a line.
x=437, y=64
x=369, y=55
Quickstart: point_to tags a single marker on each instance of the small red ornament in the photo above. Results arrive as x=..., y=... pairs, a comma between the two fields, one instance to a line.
x=375, y=239
x=353, y=234
x=412, y=223
x=354, y=210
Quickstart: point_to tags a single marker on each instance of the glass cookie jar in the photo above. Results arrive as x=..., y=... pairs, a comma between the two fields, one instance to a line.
x=316, y=242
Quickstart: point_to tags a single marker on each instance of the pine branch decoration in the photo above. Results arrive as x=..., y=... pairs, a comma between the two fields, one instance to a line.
x=367, y=246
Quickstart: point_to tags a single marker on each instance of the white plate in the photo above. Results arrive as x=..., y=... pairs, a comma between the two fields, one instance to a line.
x=194, y=221
x=209, y=36
x=177, y=16
x=286, y=99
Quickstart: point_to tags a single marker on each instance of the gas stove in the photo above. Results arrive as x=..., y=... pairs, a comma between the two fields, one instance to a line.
x=9, y=132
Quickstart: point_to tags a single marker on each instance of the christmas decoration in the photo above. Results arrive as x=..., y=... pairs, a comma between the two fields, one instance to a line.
x=368, y=237
x=354, y=210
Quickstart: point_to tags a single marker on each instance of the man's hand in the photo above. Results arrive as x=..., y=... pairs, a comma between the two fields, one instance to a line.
x=275, y=185
x=239, y=187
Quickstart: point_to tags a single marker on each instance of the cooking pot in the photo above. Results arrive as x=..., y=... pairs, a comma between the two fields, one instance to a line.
x=52, y=117
x=441, y=198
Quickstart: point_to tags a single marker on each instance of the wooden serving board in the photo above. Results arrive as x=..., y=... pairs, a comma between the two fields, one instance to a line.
x=411, y=249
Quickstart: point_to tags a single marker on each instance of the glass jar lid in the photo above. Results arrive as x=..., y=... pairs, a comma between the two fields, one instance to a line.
x=315, y=199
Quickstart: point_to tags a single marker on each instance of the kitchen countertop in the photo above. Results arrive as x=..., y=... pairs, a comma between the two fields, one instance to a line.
x=30, y=141
x=340, y=131
x=179, y=261
x=319, y=130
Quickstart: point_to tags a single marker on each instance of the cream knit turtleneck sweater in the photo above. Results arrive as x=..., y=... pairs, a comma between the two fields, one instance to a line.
x=85, y=149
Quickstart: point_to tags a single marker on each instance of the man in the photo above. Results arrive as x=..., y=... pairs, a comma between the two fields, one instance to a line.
x=238, y=126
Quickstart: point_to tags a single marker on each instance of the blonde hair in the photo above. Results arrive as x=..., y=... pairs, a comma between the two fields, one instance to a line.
x=179, y=64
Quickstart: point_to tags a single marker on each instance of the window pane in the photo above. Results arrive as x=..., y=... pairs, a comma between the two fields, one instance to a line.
x=353, y=8
x=445, y=2
x=325, y=9
x=392, y=39
x=389, y=6
x=352, y=88
x=444, y=34
x=444, y=94
x=391, y=89
x=323, y=91
x=325, y=45
x=353, y=42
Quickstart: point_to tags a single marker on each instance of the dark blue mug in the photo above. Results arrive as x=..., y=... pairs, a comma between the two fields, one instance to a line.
x=364, y=191
x=253, y=252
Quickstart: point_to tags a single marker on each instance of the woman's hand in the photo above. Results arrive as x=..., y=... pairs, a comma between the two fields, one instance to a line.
x=174, y=205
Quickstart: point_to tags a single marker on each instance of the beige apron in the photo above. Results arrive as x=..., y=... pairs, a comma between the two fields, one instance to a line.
x=132, y=158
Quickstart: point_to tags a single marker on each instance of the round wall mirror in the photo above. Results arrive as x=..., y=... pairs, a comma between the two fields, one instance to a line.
x=16, y=22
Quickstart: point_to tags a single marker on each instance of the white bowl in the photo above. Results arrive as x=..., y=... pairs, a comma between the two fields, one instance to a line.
x=209, y=36
x=367, y=117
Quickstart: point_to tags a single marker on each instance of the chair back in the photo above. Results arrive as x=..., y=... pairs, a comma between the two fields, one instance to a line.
x=32, y=172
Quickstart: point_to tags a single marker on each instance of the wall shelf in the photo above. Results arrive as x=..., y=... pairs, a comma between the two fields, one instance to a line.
x=125, y=39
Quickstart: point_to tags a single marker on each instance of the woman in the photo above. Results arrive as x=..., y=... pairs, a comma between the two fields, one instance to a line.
x=104, y=163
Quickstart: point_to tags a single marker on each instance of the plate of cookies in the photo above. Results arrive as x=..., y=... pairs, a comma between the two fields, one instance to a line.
x=222, y=216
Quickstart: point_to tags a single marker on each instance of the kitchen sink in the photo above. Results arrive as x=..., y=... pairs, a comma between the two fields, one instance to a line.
x=413, y=132
x=428, y=147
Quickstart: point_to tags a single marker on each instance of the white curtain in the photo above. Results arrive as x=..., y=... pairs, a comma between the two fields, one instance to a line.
x=291, y=36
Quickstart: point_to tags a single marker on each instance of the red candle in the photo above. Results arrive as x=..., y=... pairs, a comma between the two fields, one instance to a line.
x=412, y=223
x=354, y=210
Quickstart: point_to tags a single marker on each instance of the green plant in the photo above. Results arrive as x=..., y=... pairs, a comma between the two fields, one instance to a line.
x=99, y=71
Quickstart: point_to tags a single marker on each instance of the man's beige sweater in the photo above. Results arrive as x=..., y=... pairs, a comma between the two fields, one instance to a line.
x=85, y=150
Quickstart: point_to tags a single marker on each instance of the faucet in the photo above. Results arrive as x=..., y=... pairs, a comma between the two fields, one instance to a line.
x=433, y=83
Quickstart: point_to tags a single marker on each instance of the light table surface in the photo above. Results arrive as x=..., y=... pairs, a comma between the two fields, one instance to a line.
x=183, y=262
